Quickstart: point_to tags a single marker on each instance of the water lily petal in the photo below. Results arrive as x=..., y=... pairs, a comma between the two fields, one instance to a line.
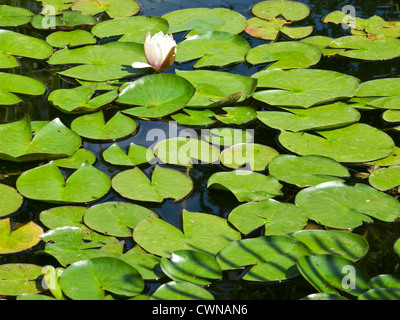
x=141, y=65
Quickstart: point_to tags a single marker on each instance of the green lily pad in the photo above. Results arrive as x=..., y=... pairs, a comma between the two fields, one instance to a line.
x=93, y=126
x=316, y=118
x=290, y=10
x=391, y=116
x=115, y=218
x=114, y=8
x=385, y=178
x=53, y=141
x=131, y=28
x=65, y=216
x=384, y=281
x=270, y=30
x=277, y=218
x=193, y=117
x=381, y=294
x=165, y=183
x=236, y=115
x=21, y=239
x=322, y=42
x=247, y=186
x=13, y=84
x=257, y=156
x=80, y=99
x=396, y=247
x=20, y=278
x=285, y=55
x=136, y=155
x=384, y=93
x=74, y=38
x=303, y=87
x=156, y=96
x=213, y=48
x=228, y=136
x=91, y=279
x=340, y=206
x=14, y=16
x=272, y=258
x=180, y=290
x=307, y=170
x=216, y=88
x=10, y=200
x=340, y=243
x=76, y=160
x=105, y=62
x=328, y=274
x=192, y=266
x=392, y=160
x=20, y=45
x=71, y=244
x=202, y=232
x=147, y=264
x=202, y=20
x=68, y=20
x=348, y=144
x=186, y=151
x=376, y=47
x=57, y=5
x=47, y=183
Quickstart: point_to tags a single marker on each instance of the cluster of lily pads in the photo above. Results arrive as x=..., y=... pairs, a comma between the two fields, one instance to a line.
x=314, y=110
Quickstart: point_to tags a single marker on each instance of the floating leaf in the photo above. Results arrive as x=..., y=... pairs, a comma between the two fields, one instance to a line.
x=10, y=200
x=147, y=264
x=68, y=20
x=384, y=93
x=192, y=266
x=91, y=279
x=327, y=273
x=385, y=178
x=192, y=117
x=216, y=88
x=131, y=28
x=322, y=42
x=115, y=218
x=246, y=186
x=270, y=30
x=20, y=278
x=76, y=160
x=303, y=87
x=202, y=20
x=13, y=84
x=75, y=38
x=340, y=206
x=93, y=126
x=136, y=155
x=67, y=216
x=53, y=141
x=101, y=62
x=47, y=183
x=307, y=170
x=14, y=16
x=381, y=294
x=237, y=115
x=214, y=48
x=348, y=144
x=156, y=96
x=341, y=243
x=285, y=55
x=277, y=218
x=80, y=99
x=316, y=118
x=257, y=156
x=165, y=183
x=202, y=232
x=228, y=136
x=272, y=258
x=186, y=151
x=290, y=10
x=114, y=8
x=180, y=290
x=384, y=281
x=21, y=239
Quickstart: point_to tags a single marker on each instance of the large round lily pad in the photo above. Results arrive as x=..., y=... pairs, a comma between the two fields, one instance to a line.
x=10, y=200
x=54, y=140
x=203, y=232
x=157, y=95
x=272, y=258
x=213, y=48
x=114, y=8
x=91, y=279
x=14, y=16
x=165, y=183
x=340, y=206
x=290, y=10
x=47, y=183
x=348, y=144
x=74, y=38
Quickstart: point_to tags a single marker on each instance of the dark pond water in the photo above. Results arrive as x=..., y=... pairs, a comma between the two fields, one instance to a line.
x=380, y=235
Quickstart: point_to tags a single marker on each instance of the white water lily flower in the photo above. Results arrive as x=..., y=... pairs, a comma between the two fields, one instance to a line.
x=160, y=52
